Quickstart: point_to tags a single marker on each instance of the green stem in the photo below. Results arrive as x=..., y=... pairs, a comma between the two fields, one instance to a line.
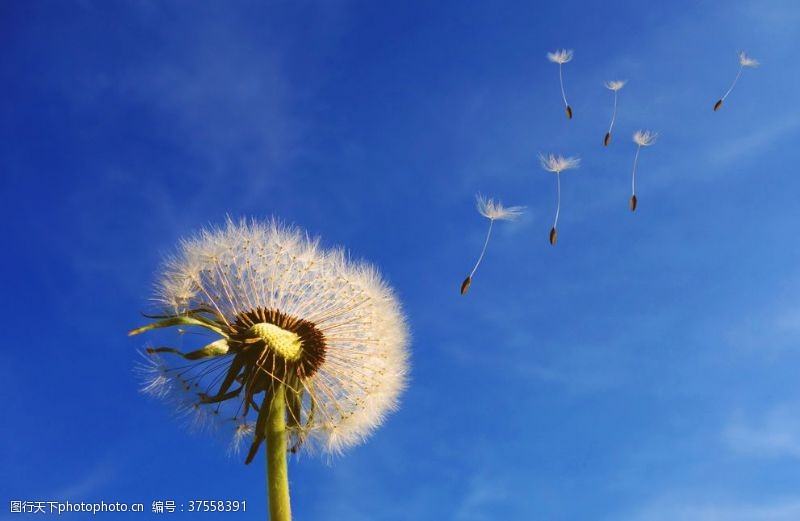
x=277, y=472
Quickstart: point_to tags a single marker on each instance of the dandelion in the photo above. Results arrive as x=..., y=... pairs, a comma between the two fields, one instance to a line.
x=615, y=86
x=642, y=138
x=561, y=57
x=557, y=164
x=308, y=348
x=744, y=61
x=494, y=211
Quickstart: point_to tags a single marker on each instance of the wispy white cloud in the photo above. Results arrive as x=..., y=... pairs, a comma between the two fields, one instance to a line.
x=86, y=485
x=483, y=494
x=755, y=143
x=770, y=329
x=787, y=509
x=788, y=320
x=777, y=18
x=216, y=92
x=774, y=433
x=222, y=103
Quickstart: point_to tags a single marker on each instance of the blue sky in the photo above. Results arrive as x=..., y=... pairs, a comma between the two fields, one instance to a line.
x=644, y=369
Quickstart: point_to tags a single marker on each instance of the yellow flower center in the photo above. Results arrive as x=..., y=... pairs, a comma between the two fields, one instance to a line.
x=285, y=343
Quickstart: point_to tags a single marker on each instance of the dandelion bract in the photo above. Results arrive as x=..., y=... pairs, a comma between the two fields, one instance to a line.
x=308, y=348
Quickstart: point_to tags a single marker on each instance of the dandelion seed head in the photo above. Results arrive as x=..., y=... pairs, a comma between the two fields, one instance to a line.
x=747, y=61
x=495, y=211
x=326, y=327
x=557, y=164
x=560, y=56
x=616, y=85
x=644, y=138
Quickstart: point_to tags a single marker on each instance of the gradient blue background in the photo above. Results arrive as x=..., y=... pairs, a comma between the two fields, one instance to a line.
x=644, y=369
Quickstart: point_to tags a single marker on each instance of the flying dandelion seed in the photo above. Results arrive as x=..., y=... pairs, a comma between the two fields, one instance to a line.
x=615, y=86
x=561, y=57
x=309, y=348
x=494, y=211
x=557, y=164
x=744, y=61
x=642, y=138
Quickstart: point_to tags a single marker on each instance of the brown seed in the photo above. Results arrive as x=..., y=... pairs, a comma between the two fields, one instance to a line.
x=569, y=112
x=553, y=235
x=633, y=203
x=607, y=140
x=465, y=285
x=717, y=105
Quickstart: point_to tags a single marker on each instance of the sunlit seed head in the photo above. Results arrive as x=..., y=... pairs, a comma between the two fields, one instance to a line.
x=287, y=312
x=644, y=138
x=495, y=210
x=616, y=85
x=557, y=164
x=560, y=56
x=747, y=61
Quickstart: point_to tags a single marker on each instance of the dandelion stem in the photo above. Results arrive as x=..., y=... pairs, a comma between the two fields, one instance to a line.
x=277, y=472
x=483, y=251
x=633, y=176
x=613, y=114
x=561, y=81
x=558, y=198
x=741, y=68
